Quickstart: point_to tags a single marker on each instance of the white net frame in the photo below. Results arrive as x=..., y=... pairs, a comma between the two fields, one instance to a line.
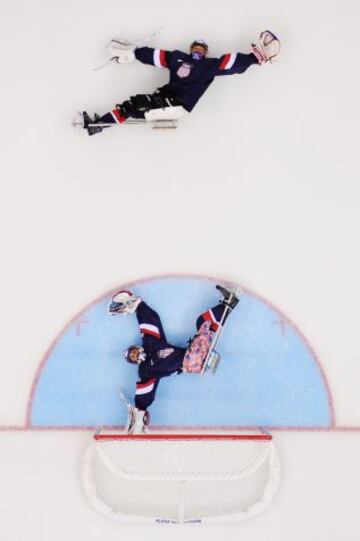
x=181, y=478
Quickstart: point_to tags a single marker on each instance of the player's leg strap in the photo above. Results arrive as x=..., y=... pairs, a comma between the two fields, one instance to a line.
x=158, y=100
x=138, y=105
x=133, y=108
x=166, y=98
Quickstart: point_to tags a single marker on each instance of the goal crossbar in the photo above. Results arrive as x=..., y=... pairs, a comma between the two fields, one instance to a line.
x=184, y=436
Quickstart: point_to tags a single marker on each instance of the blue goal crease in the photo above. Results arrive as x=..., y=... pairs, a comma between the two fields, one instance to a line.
x=268, y=376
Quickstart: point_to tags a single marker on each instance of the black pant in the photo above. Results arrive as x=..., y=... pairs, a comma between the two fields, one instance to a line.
x=137, y=106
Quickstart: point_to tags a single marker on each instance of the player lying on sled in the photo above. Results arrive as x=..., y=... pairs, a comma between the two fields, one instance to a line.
x=156, y=358
x=190, y=76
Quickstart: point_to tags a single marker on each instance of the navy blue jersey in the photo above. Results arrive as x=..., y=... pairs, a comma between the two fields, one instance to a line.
x=189, y=78
x=161, y=363
x=162, y=359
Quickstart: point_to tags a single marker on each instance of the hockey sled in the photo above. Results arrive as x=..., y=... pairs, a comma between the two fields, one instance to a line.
x=166, y=118
x=213, y=358
x=211, y=362
x=157, y=119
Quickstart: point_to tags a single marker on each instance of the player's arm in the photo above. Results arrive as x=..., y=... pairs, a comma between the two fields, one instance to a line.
x=159, y=58
x=232, y=63
x=264, y=50
x=150, y=326
x=145, y=393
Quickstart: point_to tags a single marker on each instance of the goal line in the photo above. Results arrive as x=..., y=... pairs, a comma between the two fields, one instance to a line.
x=183, y=436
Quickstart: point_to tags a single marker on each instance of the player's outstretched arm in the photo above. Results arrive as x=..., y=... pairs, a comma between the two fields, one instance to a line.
x=160, y=58
x=232, y=63
x=266, y=49
x=145, y=393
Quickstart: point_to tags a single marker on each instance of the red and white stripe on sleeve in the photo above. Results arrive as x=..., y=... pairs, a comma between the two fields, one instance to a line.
x=145, y=388
x=160, y=58
x=147, y=328
x=209, y=316
x=228, y=61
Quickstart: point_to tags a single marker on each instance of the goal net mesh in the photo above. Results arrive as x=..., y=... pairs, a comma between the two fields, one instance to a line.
x=169, y=480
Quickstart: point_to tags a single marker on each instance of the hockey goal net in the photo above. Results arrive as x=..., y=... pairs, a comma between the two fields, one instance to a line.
x=180, y=478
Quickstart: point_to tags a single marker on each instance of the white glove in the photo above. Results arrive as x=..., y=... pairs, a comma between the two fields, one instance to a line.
x=267, y=47
x=121, y=50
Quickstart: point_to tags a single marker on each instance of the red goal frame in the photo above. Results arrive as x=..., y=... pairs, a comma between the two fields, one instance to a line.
x=183, y=436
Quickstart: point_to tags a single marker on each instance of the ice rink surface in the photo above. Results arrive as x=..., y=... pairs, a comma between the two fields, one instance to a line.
x=259, y=186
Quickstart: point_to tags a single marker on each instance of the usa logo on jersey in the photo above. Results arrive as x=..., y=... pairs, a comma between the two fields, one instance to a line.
x=184, y=70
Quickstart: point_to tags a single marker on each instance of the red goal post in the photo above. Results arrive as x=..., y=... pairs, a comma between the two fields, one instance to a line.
x=181, y=477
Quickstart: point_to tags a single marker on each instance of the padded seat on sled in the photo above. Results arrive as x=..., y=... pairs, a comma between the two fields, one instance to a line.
x=165, y=113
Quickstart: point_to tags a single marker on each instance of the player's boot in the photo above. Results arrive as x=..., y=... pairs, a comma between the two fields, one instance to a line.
x=124, y=302
x=230, y=298
x=266, y=48
x=87, y=120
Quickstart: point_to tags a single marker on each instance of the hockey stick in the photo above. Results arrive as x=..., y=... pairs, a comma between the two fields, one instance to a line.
x=124, y=399
x=105, y=63
x=98, y=429
x=130, y=409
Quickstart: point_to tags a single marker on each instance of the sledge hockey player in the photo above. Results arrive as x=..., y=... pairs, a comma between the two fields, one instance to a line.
x=190, y=76
x=156, y=358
